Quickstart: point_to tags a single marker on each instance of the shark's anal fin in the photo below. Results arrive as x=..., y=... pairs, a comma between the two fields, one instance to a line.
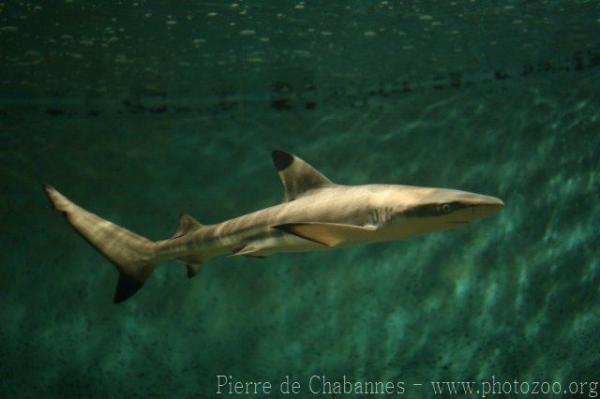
x=297, y=175
x=329, y=234
x=185, y=225
x=193, y=264
x=193, y=269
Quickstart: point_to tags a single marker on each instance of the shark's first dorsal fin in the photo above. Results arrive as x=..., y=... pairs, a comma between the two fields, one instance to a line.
x=185, y=225
x=296, y=175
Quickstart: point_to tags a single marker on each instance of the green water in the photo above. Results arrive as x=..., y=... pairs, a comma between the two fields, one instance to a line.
x=161, y=118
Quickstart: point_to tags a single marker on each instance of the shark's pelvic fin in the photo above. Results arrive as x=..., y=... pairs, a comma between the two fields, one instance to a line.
x=185, y=225
x=329, y=234
x=297, y=176
x=250, y=250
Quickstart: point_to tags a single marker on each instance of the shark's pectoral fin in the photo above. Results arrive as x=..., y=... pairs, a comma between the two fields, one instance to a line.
x=329, y=234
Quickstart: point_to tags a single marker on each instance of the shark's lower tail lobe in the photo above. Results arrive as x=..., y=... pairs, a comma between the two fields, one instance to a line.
x=134, y=256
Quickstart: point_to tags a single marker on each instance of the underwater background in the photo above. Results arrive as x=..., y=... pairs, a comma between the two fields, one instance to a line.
x=138, y=111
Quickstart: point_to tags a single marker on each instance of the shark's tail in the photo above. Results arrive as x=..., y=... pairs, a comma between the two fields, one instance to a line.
x=134, y=256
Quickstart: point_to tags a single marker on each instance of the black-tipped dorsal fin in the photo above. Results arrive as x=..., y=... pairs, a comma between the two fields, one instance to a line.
x=296, y=175
x=185, y=225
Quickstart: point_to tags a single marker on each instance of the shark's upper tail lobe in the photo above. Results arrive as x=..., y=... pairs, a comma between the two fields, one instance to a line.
x=134, y=256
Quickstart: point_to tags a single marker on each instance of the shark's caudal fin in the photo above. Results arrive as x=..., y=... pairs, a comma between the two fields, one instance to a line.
x=134, y=256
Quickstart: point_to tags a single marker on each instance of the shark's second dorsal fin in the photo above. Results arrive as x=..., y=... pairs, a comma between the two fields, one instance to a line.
x=296, y=175
x=185, y=225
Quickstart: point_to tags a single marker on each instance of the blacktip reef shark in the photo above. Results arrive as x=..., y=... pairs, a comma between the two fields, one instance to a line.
x=315, y=214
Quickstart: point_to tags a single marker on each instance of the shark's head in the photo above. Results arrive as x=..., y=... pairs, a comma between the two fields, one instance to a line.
x=457, y=207
x=421, y=210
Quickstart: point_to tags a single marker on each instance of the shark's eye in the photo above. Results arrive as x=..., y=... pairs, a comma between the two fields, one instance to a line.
x=445, y=208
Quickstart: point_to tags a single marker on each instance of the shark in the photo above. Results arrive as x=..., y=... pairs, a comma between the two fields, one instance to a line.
x=315, y=214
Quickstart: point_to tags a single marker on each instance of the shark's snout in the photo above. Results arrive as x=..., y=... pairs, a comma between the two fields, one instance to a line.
x=488, y=206
x=474, y=207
